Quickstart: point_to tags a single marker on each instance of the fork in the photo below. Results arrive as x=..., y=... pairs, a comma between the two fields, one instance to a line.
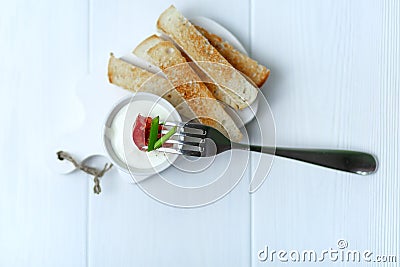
x=193, y=139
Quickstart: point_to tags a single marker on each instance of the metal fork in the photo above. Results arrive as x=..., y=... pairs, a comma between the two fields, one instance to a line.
x=193, y=139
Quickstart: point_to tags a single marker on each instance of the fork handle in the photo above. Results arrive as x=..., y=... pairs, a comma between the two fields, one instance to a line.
x=343, y=160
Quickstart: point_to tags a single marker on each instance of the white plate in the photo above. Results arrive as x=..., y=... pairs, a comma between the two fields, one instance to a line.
x=225, y=169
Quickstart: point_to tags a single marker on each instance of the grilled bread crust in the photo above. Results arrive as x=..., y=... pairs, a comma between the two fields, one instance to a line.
x=233, y=88
x=200, y=100
x=248, y=66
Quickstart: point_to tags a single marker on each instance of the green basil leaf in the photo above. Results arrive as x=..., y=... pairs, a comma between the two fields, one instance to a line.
x=153, y=133
x=165, y=137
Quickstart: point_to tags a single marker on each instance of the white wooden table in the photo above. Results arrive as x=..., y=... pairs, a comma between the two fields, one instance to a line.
x=335, y=83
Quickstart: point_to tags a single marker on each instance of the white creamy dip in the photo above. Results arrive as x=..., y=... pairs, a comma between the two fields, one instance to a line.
x=120, y=134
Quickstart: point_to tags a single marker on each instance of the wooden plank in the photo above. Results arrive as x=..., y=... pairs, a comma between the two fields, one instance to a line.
x=44, y=53
x=126, y=227
x=334, y=83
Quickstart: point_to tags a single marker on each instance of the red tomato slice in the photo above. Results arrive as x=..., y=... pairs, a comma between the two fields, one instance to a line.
x=141, y=131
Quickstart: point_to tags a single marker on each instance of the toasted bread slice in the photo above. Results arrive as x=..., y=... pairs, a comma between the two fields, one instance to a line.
x=200, y=100
x=248, y=66
x=237, y=91
x=135, y=79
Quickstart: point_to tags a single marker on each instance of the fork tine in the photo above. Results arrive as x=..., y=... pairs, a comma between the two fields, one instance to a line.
x=178, y=142
x=190, y=125
x=180, y=152
x=170, y=150
x=201, y=136
x=169, y=123
x=180, y=133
